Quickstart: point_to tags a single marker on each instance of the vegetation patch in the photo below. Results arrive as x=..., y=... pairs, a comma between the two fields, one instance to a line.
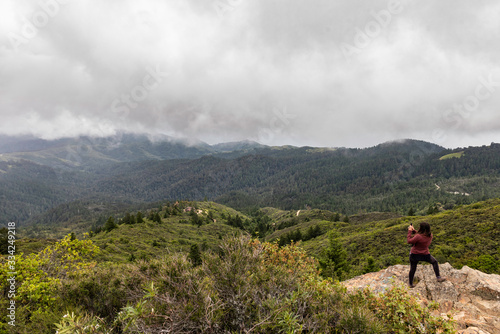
x=244, y=286
x=452, y=155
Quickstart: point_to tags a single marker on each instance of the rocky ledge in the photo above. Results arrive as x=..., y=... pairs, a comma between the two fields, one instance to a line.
x=471, y=296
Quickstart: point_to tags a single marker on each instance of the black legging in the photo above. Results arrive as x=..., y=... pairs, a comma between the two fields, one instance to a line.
x=416, y=258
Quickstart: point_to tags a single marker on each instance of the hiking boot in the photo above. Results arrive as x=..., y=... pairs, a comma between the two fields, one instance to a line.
x=411, y=286
x=441, y=279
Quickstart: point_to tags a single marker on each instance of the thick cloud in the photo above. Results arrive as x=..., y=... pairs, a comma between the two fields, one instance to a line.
x=344, y=73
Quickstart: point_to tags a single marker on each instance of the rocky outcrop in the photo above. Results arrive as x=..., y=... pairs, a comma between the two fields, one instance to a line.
x=471, y=296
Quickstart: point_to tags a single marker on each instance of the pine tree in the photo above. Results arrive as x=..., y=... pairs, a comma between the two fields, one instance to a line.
x=333, y=261
x=296, y=236
x=126, y=218
x=371, y=265
x=194, y=255
x=139, y=219
x=110, y=224
x=411, y=212
x=312, y=232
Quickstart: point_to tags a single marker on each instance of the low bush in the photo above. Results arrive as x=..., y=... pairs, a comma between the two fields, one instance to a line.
x=403, y=314
x=39, y=279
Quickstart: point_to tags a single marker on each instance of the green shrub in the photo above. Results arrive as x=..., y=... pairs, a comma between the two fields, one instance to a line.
x=403, y=314
x=103, y=292
x=247, y=286
x=485, y=263
x=39, y=280
x=86, y=324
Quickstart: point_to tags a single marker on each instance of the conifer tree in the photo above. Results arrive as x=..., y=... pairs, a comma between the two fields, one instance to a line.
x=126, y=218
x=411, y=212
x=139, y=220
x=110, y=224
x=194, y=255
x=334, y=258
x=371, y=265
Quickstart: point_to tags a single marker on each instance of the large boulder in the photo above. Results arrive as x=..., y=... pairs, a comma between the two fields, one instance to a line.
x=470, y=296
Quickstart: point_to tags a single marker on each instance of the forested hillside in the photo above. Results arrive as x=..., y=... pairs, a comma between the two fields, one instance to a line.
x=392, y=177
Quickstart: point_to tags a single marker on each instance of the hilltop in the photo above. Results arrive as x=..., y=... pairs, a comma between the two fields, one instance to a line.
x=202, y=223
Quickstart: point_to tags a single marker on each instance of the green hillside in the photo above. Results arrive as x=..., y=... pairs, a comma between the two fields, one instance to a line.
x=452, y=155
x=467, y=235
x=188, y=256
x=176, y=233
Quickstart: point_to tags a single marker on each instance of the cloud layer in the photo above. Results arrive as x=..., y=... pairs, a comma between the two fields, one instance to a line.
x=344, y=73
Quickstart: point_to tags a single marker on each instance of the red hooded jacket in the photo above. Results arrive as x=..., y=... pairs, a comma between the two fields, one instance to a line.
x=420, y=243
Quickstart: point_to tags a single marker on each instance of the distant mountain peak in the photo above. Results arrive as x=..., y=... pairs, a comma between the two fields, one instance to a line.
x=413, y=146
x=237, y=145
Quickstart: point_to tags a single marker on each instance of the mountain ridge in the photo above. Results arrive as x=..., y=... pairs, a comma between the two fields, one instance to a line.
x=392, y=176
x=28, y=146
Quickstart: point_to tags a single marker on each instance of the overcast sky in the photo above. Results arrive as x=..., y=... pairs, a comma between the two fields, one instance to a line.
x=350, y=73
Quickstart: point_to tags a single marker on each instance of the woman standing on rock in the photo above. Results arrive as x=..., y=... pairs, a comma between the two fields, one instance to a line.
x=421, y=241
